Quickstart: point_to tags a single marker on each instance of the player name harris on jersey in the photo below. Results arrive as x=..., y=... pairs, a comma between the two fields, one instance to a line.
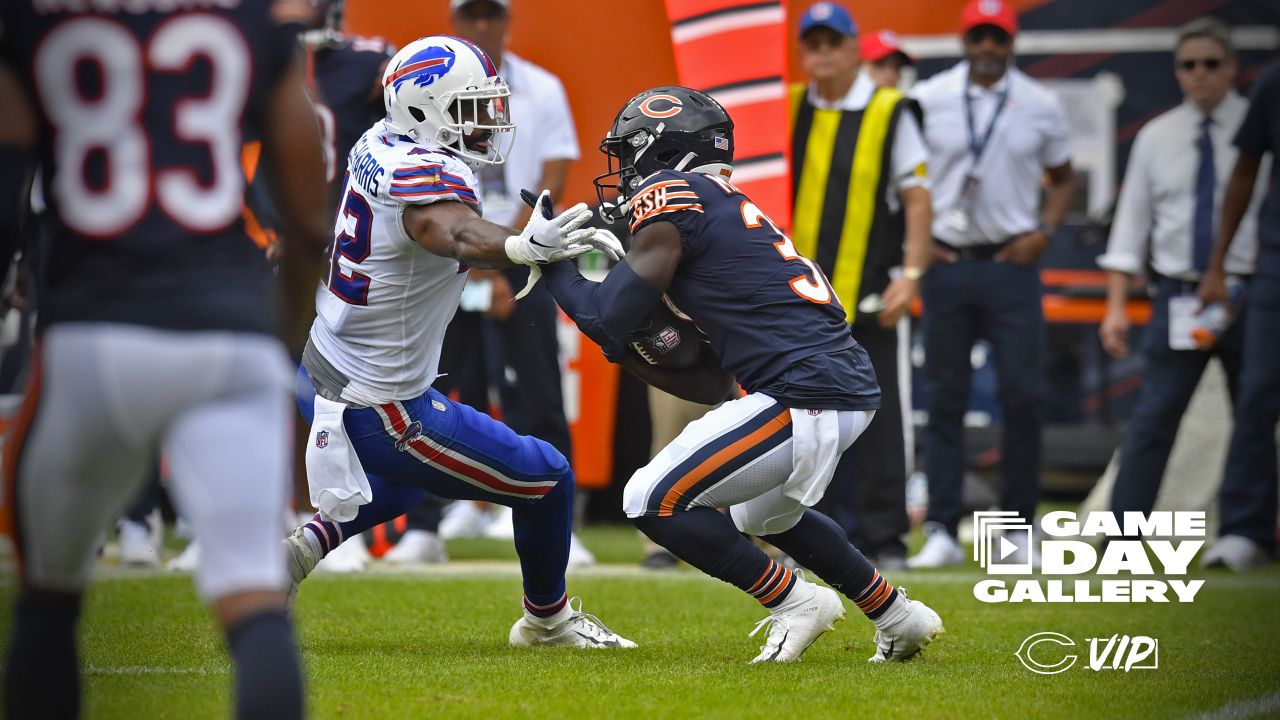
x=387, y=300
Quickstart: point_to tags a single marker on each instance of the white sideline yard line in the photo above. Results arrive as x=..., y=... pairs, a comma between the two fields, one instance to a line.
x=1265, y=706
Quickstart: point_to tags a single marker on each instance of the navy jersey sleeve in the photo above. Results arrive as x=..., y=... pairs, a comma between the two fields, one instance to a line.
x=1254, y=136
x=667, y=196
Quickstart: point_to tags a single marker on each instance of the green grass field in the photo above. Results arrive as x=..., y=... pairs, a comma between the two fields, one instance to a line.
x=433, y=644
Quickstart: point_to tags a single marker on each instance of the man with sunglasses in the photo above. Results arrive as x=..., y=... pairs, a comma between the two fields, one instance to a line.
x=992, y=132
x=1166, y=218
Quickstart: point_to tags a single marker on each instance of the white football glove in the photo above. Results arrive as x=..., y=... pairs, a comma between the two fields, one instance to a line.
x=600, y=239
x=548, y=239
x=606, y=242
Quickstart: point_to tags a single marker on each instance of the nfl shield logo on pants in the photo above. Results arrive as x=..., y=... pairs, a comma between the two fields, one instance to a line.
x=322, y=439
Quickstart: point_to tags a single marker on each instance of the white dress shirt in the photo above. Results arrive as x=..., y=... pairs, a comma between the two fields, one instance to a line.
x=909, y=155
x=1030, y=135
x=544, y=131
x=1155, y=214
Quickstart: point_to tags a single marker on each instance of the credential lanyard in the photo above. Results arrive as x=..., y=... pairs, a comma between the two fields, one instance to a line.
x=977, y=146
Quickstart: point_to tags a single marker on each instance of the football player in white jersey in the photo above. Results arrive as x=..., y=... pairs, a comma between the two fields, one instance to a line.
x=408, y=229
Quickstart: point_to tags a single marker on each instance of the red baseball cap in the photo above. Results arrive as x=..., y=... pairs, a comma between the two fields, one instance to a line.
x=989, y=12
x=880, y=45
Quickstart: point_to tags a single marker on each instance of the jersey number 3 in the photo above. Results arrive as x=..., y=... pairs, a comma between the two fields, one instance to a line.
x=812, y=287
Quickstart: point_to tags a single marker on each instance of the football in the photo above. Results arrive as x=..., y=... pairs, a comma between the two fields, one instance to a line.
x=667, y=339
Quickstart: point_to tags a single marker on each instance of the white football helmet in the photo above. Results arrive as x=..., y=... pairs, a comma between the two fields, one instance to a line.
x=445, y=91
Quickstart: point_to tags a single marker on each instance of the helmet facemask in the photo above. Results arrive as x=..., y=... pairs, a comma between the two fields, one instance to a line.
x=685, y=131
x=476, y=123
x=442, y=91
x=624, y=178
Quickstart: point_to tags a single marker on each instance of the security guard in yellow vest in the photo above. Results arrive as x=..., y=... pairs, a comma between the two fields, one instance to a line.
x=862, y=212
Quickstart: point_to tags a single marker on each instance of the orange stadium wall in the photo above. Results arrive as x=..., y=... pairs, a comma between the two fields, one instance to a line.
x=605, y=51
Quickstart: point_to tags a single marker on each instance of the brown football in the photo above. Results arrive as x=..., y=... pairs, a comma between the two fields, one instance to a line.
x=667, y=340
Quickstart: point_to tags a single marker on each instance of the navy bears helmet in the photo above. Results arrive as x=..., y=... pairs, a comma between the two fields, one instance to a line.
x=665, y=128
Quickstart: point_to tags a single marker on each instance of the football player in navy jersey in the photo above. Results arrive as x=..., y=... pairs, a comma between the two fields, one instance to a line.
x=346, y=71
x=775, y=324
x=159, y=327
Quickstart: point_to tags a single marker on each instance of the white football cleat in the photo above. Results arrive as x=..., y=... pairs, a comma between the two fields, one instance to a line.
x=579, y=555
x=350, y=556
x=1236, y=552
x=302, y=559
x=502, y=526
x=464, y=519
x=811, y=610
x=913, y=627
x=417, y=547
x=568, y=628
x=188, y=560
x=135, y=544
x=940, y=549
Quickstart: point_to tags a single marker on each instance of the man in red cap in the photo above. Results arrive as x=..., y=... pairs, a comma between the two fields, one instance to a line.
x=884, y=58
x=993, y=132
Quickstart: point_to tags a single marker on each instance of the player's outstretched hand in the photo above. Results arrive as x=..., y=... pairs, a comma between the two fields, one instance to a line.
x=547, y=238
x=606, y=242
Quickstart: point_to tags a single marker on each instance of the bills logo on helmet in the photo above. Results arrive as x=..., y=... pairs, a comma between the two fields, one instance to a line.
x=661, y=106
x=424, y=67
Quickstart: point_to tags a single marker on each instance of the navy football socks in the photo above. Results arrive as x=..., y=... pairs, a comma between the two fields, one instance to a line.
x=707, y=540
x=818, y=543
x=42, y=673
x=268, y=674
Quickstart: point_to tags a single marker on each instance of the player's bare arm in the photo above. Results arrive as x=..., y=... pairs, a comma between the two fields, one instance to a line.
x=454, y=230
x=295, y=155
x=451, y=229
x=616, y=306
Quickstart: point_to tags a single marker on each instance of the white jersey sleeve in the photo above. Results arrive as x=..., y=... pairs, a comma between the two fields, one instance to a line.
x=426, y=177
x=381, y=315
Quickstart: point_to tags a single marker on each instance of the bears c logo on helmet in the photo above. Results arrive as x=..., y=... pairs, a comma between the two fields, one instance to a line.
x=653, y=106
